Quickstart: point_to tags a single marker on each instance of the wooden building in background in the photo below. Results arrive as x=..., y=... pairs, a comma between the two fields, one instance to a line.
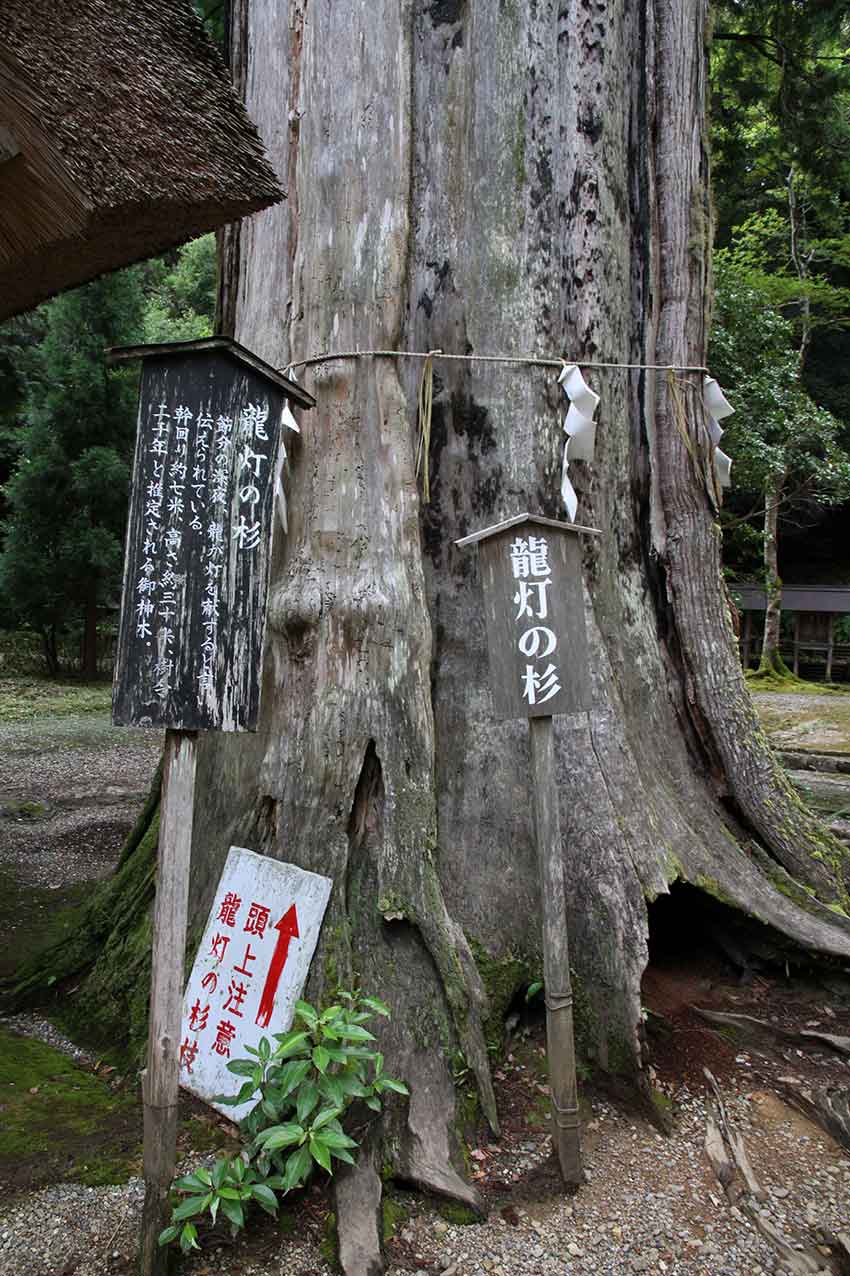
x=814, y=609
x=121, y=135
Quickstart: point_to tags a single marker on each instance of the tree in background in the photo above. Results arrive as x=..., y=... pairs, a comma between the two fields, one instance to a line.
x=67, y=496
x=67, y=427
x=780, y=84
x=180, y=296
x=788, y=451
x=781, y=160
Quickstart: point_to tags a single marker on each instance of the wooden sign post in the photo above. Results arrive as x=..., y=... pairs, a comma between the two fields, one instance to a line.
x=208, y=454
x=531, y=573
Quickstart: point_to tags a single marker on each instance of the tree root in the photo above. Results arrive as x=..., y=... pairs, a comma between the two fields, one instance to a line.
x=727, y=1154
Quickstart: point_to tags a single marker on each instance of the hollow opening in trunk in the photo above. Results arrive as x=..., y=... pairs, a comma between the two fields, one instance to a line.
x=720, y=989
x=699, y=942
x=526, y=1010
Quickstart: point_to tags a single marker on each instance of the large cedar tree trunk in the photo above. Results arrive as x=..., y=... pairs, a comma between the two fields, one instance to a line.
x=492, y=178
x=488, y=178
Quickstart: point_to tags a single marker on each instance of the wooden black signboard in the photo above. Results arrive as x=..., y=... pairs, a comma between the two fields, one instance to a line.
x=531, y=575
x=208, y=454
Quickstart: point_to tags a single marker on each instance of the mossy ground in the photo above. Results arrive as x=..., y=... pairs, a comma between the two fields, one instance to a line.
x=770, y=680
x=25, y=699
x=804, y=716
x=394, y=1212
x=33, y=917
x=59, y=1123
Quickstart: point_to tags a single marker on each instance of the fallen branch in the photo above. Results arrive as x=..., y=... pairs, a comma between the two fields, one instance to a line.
x=735, y=1144
x=827, y=1107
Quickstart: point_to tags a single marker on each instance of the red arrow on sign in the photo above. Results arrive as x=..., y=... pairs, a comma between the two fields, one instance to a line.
x=287, y=929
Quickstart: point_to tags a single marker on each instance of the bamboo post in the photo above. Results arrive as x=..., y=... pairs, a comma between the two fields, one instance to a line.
x=560, y=1044
x=160, y=1079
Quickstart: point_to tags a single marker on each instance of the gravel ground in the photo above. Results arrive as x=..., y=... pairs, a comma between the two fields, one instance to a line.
x=69, y=789
x=806, y=720
x=651, y=1205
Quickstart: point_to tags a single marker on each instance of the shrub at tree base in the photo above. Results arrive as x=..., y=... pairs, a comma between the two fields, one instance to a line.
x=317, y=1070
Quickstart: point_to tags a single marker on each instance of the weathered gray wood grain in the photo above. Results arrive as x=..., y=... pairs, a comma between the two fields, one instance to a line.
x=557, y=983
x=160, y=1078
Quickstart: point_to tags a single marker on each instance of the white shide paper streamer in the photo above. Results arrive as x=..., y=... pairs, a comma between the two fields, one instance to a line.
x=289, y=421
x=579, y=427
x=717, y=407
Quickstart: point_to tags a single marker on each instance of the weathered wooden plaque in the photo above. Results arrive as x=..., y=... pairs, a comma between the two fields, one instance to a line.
x=250, y=968
x=198, y=541
x=534, y=610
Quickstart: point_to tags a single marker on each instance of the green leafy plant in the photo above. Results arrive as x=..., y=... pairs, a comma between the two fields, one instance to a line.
x=305, y=1083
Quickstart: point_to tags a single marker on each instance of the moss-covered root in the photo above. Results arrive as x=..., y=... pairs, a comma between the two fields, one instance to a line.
x=464, y=990
x=772, y=665
x=777, y=677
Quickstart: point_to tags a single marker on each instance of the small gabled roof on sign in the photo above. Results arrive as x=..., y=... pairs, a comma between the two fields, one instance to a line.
x=214, y=345
x=525, y=518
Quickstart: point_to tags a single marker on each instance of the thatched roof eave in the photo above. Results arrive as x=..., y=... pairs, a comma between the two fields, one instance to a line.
x=120, y=136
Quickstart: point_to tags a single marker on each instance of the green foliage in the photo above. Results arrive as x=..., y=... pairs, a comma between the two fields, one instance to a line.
x=318, y=1068
x=780, y=89
x=777, y=431
x=776, y=425
x=780, y=115
x=67, y=494
x=212, y=14
x=180, y=297
x=67, y=427
x=759, y=251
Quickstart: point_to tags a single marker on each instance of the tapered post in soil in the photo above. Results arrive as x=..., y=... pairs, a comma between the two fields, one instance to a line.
x=560, y=1042
x=160, y=1079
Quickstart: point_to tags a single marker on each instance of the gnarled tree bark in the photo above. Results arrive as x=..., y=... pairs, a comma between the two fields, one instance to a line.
x=484, y=179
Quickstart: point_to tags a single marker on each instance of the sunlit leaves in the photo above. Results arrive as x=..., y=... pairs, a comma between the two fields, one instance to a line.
x=303, y=1086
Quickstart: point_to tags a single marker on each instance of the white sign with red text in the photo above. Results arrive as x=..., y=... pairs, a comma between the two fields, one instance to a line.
x=250, y=969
